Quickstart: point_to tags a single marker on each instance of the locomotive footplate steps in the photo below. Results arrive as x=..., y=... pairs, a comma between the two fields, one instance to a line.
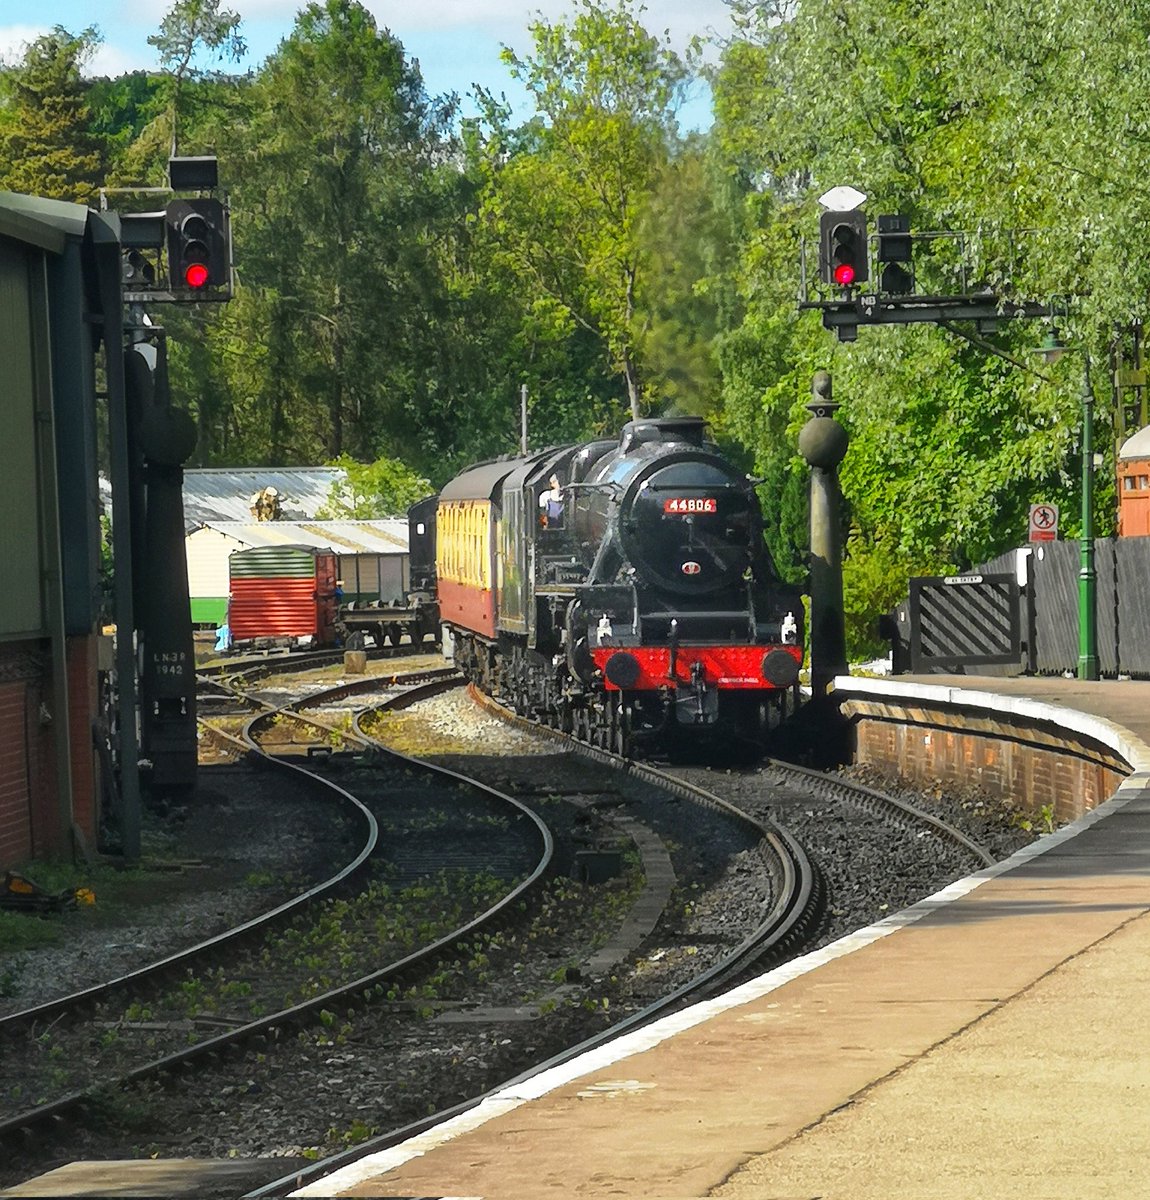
x=201, y=1178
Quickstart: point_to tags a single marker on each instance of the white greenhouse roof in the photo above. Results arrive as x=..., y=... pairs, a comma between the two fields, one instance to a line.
x=1136, y=446
x=342, y=537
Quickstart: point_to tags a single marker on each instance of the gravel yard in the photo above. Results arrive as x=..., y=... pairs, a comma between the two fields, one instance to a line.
x=207, y=867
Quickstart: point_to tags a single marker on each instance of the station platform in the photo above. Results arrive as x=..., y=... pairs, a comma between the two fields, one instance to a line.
x=991, y=1041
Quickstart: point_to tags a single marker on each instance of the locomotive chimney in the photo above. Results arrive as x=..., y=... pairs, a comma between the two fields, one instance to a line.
x=823, y=443
x=690, y=430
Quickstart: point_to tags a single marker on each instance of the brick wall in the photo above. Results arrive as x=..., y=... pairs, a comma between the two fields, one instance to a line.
x=15, y=802
x=1036, y=764
x=21, y=747
x=30, y=825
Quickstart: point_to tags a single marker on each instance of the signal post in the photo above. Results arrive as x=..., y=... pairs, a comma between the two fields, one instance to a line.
x=178, y=254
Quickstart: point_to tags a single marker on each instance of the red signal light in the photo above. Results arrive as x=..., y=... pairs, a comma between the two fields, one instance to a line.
x=843, y=248
x=198, y=248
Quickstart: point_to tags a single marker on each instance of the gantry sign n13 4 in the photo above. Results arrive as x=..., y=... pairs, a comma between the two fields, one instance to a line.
x=844, y=262
x=845, y=316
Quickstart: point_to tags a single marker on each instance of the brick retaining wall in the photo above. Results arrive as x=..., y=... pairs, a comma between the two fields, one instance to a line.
x=1037, y=764
x=25, y=751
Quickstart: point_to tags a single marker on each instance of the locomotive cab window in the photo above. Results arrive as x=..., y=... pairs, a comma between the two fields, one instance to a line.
x=551, y=505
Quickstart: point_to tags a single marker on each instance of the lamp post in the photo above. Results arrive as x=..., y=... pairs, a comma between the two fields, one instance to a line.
x=1087, y=580
x=1052, y=350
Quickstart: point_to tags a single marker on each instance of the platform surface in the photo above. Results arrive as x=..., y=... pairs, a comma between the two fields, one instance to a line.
x=993, y=1041
x=196, y=1178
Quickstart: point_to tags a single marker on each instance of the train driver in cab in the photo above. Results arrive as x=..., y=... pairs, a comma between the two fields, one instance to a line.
x=551, y=505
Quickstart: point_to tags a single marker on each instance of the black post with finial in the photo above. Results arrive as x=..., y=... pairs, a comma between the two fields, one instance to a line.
x=823, y=443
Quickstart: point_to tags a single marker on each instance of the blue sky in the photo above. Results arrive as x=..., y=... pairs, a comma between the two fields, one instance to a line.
x=457, y=42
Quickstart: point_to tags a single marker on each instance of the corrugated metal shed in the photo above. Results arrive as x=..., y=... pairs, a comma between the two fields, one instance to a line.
x=214, y=494
x=344, y=537
x=207, y=552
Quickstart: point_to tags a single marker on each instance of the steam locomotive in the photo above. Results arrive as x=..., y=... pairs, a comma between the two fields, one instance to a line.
x=619, y=590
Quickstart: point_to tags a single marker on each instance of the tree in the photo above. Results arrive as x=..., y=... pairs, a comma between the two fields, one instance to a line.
x=339, y=183
x=46, y=144
x=688, y=236
x=568, y=206
x=983, y=125
x=121, y=109
x=384, y=488
x=191, y=28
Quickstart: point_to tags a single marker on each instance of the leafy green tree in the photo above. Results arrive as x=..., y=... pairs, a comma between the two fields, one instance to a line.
x=190, y=29
x=566, y=207
x=121, y=109
x=384, y=488
x=687, y=235
x=47, y=147
x=985, y=122
x=339, y=183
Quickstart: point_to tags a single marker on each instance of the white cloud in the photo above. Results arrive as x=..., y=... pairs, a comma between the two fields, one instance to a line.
x=107, y=59
x=15, y=39
x=113, y=61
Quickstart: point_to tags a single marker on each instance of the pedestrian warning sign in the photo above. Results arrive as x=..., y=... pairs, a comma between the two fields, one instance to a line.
x=1043, y=522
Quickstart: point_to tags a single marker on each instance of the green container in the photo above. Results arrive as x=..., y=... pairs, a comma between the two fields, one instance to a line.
x=273, y=562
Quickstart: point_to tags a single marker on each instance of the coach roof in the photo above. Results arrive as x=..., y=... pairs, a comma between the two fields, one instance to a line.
x=481, y=482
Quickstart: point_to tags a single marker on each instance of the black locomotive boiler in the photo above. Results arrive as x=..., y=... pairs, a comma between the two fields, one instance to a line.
x=620, y=590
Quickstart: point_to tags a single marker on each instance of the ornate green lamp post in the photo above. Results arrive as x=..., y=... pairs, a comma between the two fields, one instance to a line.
x=1052, y=350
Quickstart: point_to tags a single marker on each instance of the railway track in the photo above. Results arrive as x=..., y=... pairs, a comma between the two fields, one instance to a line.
x=791, y=919
x=134, y=981
x=250, y=668
x=792, y=916
x=797, y=892
x=897, y=811
x=363, y=988
x=784, y=922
